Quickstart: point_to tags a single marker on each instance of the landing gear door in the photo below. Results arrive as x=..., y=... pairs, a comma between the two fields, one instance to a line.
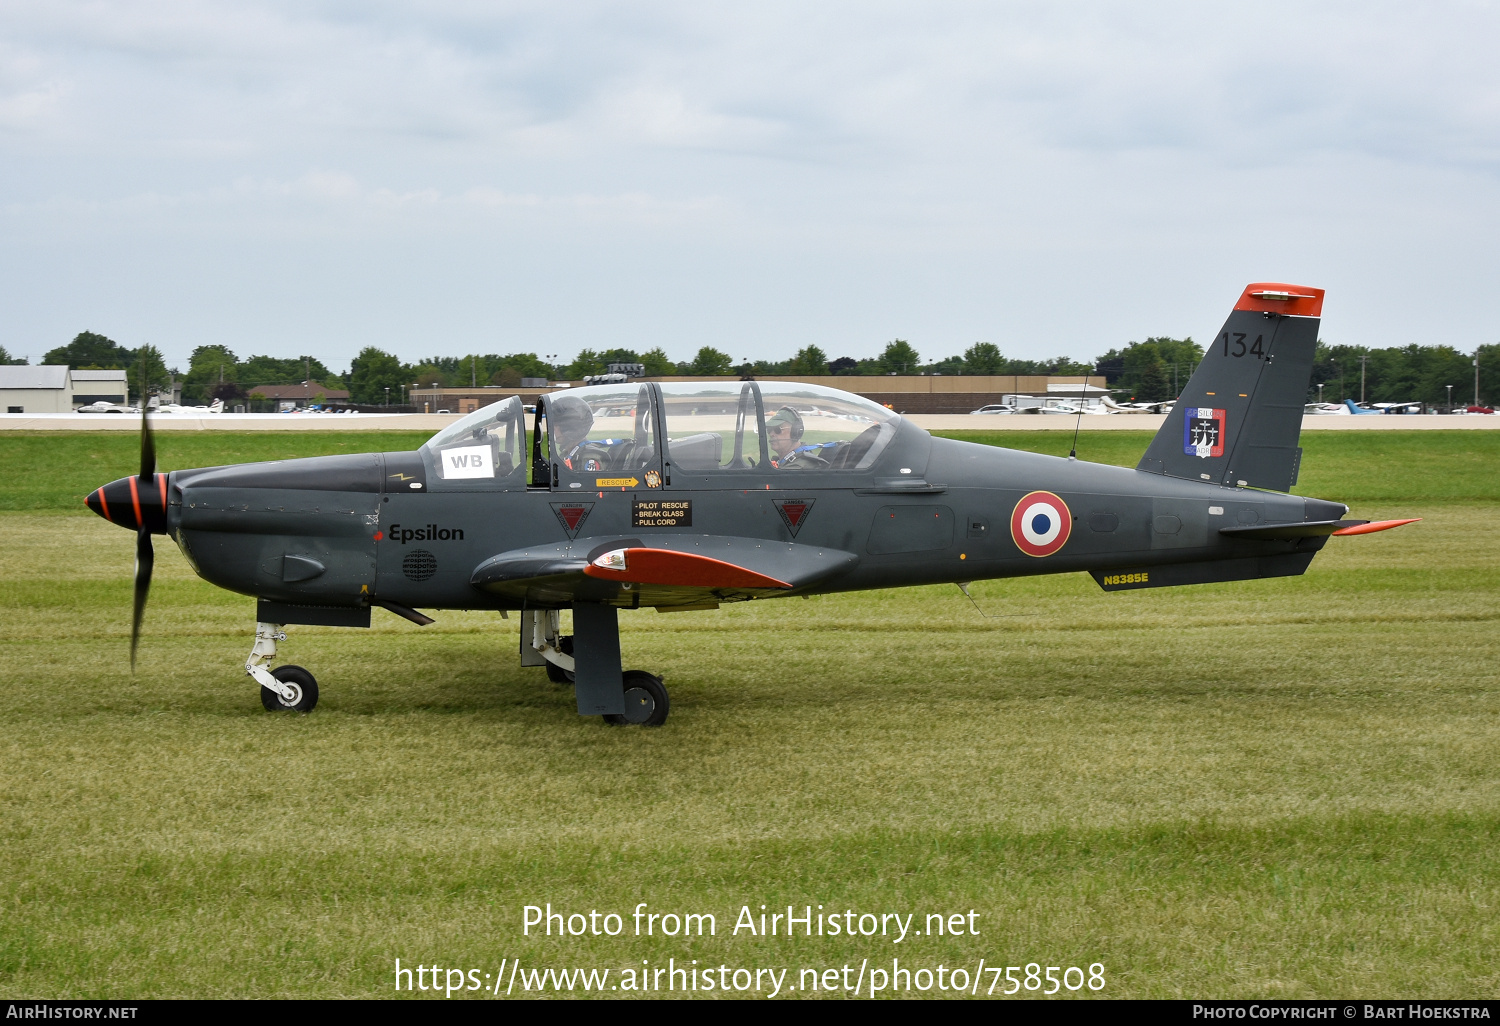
x=604, y=438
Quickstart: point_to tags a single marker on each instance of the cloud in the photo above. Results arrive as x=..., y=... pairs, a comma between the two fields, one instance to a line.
x=940, y=170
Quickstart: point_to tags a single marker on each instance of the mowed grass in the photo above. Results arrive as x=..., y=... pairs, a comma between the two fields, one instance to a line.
x=1280, y=788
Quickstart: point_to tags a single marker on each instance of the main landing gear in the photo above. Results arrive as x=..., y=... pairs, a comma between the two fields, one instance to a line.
x=590, y=659
x=286, y=688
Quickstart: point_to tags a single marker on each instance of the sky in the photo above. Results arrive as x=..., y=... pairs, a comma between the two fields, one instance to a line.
x=452, y=177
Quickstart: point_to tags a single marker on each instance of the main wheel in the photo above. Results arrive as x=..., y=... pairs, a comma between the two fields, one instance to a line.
x=646, y=701
x=556, y=674
x=302, y=682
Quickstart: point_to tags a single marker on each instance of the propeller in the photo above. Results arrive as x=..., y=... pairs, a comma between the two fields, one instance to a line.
x=145, y=554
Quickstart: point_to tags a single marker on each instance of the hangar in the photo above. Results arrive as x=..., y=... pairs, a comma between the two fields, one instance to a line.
x=56, y=389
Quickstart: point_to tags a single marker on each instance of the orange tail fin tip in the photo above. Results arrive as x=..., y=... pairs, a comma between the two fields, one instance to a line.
x=1376, y=525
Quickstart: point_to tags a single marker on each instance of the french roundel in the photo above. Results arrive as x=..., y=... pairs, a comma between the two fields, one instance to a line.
x=1041, y=524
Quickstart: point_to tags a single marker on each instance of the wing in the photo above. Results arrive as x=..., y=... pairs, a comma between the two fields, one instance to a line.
x=670, y=572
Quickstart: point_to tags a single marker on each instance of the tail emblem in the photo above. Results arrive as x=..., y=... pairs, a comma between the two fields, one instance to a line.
x=1203, y=432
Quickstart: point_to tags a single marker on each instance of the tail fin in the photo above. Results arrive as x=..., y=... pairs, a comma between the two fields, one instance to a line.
x=1238, y=420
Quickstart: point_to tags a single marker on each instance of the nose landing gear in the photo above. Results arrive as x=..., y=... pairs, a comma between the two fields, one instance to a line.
x=286, y=688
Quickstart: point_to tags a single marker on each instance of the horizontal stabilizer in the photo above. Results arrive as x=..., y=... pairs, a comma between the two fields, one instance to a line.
x=1293, y=530
x=1371, y=526
x=1312, y=529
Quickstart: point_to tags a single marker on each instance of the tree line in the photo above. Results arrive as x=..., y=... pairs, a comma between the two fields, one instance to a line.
x=374, y=370
x=1151, y=370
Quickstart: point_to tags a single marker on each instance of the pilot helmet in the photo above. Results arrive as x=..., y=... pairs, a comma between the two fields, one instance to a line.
x=571, y=418
x=788, y=416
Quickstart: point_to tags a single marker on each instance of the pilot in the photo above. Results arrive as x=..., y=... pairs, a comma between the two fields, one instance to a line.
x=783, y=432
x=571, y=421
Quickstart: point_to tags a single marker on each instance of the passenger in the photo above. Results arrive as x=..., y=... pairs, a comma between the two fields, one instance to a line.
x=783, y=432
x=571, y=421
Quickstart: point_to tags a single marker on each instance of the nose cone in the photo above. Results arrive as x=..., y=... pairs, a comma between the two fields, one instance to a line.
x=133, y=502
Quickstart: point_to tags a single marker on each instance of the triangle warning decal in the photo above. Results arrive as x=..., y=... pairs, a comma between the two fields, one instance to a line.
x=794, y=512
x=571, y=515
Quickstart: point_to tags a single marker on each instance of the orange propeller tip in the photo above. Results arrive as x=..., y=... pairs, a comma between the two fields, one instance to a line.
x=1376, y=525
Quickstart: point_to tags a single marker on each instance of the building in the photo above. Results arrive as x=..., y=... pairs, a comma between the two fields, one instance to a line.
x=301, y=396
x=92, y=386
x=56, y=389
x=912, y=393
x=469, y=399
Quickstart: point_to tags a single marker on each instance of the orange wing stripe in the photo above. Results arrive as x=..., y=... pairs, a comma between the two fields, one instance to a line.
x=1376, y=525
x=684, y=569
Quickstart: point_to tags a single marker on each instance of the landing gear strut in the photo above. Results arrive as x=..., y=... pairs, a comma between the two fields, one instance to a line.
x=286, y=688
x=590, y=659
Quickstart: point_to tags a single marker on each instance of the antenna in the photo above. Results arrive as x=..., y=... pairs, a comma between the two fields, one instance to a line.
x=963, y=586
x=1073, y=452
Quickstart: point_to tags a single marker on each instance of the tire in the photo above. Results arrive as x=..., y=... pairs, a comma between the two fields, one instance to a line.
x=305, y=683
x=556, y=674
x=646, y=701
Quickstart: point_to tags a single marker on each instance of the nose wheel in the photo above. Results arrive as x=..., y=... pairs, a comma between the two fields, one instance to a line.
x=286, y=688
x=300, y=691
x=646, y=701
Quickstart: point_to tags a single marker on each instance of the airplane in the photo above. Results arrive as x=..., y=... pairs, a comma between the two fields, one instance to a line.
x=1130, y=408
x=688, y=495
x=1355, y=408
x=217, y=406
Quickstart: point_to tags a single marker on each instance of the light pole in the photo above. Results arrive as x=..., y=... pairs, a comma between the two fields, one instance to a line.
x=1476, y=378
x=1320, y=393
x=1450, y=397
x=1362, y=362
x=388, y=395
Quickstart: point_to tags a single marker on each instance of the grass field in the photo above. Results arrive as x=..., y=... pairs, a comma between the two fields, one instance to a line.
x=1284, y=788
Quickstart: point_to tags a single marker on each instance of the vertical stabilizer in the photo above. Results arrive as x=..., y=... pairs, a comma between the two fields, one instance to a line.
x=1238, y=420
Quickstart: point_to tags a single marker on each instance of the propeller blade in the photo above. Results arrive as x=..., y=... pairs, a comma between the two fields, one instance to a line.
x=145, y=554
x=145, y=560
x=148, y=442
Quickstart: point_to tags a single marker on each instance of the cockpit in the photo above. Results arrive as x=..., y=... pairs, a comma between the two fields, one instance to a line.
x=710, y=434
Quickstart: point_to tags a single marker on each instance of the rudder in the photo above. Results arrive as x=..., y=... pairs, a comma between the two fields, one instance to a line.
x=1238, y=420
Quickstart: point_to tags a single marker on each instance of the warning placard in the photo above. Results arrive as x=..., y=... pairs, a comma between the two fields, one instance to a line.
x=661, y=513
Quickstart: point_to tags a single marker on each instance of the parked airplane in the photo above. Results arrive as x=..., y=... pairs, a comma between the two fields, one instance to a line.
x=688, y=495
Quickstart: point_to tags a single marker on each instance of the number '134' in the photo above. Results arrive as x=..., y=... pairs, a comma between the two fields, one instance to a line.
x=1237, y=346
